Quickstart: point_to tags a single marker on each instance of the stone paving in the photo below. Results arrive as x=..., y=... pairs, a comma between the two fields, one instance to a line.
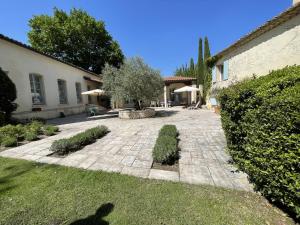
x=127, y=149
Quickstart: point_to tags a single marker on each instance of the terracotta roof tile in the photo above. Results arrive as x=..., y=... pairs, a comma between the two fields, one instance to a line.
x=178, y=78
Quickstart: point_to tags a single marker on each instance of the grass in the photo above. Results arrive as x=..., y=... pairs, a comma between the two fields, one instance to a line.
x=32, y=193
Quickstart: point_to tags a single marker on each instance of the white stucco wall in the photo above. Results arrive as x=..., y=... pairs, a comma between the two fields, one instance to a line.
x=273, y=50
x=20, y=62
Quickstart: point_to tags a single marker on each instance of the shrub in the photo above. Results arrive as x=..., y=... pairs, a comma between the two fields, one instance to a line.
x=74, y=143
x=7, y=141
x=50, y=130
x=13, y=131
x=165, y=150
x=35, y=127
x=8, y=94
x=261, y=121
x=168, y=130
x=30, y=136
x=97, y=132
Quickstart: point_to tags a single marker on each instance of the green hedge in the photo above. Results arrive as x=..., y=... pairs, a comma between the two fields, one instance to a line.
x=74, y=143
x=261, y=120
x=165, y=150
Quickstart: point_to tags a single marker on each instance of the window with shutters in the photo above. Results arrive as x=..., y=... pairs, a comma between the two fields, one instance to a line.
x=62, y=91
x=37, y=89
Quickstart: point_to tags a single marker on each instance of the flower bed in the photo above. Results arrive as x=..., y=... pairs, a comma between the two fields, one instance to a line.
x=136, y=114
x=14, y=135
x=74, y=143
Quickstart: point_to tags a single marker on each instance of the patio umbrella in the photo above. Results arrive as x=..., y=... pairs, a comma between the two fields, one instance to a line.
x=186, y=89
x=95, y=92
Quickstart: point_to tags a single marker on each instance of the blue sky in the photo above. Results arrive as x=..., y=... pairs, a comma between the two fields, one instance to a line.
x=163, y=32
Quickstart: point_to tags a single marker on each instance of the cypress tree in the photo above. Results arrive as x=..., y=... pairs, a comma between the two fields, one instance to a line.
x=192, y=68
x=207, y=70
x=200, y=65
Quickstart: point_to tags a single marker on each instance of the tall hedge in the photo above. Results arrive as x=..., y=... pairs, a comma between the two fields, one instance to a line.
x=261, y=120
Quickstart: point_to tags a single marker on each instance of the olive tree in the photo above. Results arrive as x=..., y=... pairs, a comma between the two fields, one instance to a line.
x=133, y=81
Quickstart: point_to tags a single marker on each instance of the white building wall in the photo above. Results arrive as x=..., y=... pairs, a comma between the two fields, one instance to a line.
x=273, y=50
x=20, y=62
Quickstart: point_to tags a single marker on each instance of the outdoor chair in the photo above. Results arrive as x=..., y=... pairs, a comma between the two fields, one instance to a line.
x=93, y=110
x=197, y=106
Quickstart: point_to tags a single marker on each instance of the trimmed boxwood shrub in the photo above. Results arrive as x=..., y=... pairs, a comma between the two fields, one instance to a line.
x=168, y=130
x=76, y=142
x=261, y=120
x=165, y=150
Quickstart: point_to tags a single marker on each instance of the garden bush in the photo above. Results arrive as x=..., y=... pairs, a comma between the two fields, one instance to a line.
x=74, y=143
x=50, y=130
x=28, y=132
x=7, y=141
x=165, y=150
x=30, y=136
x=16, y=131
x=261, y=120
x=168, y=130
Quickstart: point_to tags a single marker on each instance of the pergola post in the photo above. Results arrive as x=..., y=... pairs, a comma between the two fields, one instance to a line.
x=165, y=96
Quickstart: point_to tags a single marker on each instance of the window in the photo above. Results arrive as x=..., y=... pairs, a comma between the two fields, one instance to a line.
x=89, y=97
x=62, y=91
x=78, y=92
x=214, y=77
x=37, y=89
x=221, y=72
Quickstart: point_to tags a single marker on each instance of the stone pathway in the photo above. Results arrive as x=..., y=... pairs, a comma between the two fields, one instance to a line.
x=127, y=149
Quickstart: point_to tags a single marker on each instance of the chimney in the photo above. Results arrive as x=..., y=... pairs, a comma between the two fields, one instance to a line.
x=295, y=2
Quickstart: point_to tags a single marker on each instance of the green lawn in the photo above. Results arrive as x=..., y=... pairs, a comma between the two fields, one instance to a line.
x=51, y=195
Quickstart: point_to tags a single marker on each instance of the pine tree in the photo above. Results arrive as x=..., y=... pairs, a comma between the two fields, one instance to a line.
x=200, y=65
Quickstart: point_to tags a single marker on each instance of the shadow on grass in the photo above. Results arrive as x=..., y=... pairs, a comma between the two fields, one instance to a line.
x=97, y=218
x=12, y=172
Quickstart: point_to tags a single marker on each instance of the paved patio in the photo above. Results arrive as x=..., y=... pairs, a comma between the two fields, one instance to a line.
x=127, y=149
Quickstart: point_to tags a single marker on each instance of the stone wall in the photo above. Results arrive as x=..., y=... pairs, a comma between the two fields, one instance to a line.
x=136, y=114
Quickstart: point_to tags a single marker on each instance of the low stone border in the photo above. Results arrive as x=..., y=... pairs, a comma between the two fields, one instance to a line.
x=136, y=114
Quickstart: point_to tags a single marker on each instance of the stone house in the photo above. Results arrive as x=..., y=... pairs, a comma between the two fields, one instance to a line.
x=46, y=86
x=274, y=45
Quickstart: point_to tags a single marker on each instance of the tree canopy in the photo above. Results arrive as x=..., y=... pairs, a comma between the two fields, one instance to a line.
x=133, y=81
x=76, y=38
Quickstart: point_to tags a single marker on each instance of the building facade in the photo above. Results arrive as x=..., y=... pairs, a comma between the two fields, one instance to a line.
x=272, y=46
x=46, y=87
